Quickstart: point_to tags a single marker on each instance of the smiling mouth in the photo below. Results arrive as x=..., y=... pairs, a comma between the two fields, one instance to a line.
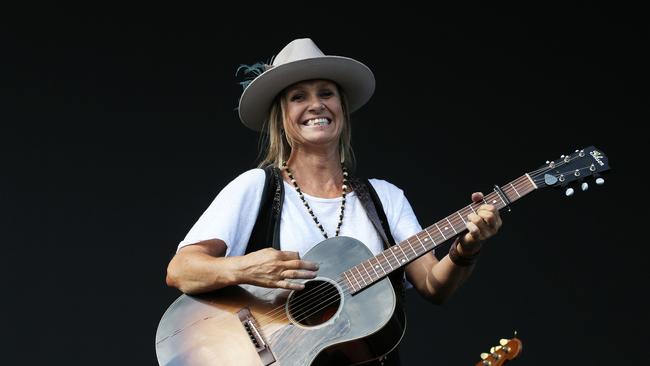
x=317, y=122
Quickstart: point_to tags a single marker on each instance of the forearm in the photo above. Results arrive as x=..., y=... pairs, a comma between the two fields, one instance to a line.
x=444, y=278
x=200, y=272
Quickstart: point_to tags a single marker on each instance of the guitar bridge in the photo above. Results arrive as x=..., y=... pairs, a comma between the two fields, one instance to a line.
x=261, y=347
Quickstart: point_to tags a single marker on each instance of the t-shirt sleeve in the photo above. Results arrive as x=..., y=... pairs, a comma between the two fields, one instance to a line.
x=231, y=215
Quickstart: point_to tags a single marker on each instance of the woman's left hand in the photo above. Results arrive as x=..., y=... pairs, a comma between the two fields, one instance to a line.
x=481, y=225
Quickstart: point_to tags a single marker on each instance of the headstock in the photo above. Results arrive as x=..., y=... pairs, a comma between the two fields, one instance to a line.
x=507, y=350
x=585, y=163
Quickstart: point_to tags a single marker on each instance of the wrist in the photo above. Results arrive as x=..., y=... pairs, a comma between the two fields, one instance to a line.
x=465, y=250
x=235, y=273
x=463, y=259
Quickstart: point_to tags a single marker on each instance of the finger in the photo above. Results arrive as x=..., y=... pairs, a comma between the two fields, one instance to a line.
x=289, y=255
x=298, y=273
x=300, y=264
x=479, y=223
x=290, y=285
x=489, y=217
x=474, y=231
x=477, y=197
x=487, y=207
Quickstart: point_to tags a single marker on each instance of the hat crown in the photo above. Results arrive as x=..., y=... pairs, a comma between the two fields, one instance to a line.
x=298, y=49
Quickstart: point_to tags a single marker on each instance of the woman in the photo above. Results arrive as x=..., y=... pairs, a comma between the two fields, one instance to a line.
x=302, y=103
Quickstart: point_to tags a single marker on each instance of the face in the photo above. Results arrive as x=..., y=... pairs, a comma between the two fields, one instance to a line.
x=314, y=114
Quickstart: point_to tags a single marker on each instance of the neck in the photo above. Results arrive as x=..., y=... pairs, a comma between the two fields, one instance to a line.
x=318, y=174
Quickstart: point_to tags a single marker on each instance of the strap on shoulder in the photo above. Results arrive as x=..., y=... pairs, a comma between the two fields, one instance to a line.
x=266, y=231
x=374, y=209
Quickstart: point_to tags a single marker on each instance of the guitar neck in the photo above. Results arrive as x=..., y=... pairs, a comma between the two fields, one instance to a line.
x=368, y=272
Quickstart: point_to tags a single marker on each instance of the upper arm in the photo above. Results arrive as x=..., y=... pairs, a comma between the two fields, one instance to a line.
x=212, y=247
x=230, y=217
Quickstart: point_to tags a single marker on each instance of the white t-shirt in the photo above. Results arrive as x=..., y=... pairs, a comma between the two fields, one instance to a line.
x=232, y=215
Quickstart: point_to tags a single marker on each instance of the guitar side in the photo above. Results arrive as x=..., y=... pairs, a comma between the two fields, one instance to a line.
x=208, y=329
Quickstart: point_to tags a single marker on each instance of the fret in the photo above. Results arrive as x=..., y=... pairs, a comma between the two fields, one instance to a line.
x=471, y=206
x=361, y=276
x=400, y=248
x=430, y=238
x=501, y=198
x=429, y=235
x=380, y=265
x=423, y=247
x=391, y=267
x=452, y=226
x=364, y=268
x=411, y=246
x=441, y=233
x=374, y=268
x=531, y=181
x=461, y=217
x=348, y=278
x=393, y=253
x=493, y=201
x=517, y=192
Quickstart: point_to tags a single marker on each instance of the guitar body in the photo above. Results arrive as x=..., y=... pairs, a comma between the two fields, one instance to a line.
x=250, y=325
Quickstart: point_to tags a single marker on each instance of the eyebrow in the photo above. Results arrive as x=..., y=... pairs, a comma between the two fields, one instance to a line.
x=318, y=85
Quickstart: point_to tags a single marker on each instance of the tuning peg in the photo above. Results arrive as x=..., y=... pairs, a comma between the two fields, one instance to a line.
x=584, y=186
x=484, y=355
x=492, y=350
x=569, y=192
x=503, y=342
x=600, y=181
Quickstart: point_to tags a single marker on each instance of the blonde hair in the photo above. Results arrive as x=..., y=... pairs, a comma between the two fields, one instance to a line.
x=275, y=147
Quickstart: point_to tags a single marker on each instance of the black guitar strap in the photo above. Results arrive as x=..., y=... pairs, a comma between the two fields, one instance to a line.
x=370, y=201
x=267, y=226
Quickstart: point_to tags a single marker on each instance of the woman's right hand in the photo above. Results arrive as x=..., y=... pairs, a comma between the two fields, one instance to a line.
x=275, y=268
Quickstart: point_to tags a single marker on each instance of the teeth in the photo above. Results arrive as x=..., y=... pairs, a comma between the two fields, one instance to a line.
x=317, y=122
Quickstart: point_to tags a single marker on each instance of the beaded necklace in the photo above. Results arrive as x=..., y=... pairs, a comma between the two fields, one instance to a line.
x=344, y=190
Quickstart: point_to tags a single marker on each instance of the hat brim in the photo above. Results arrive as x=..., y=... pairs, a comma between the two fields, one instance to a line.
x=355, y=78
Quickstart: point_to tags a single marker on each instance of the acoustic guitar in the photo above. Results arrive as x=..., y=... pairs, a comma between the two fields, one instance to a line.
x=347, y=314
x=507, y=350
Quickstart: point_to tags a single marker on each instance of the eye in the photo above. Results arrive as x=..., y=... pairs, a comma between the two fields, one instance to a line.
x=326, y=93
x=297, y=97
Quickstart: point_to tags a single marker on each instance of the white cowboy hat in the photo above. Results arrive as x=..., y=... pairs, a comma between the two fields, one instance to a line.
x=302, y=60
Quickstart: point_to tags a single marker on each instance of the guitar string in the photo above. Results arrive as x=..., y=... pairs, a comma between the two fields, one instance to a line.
x=323, y=289
x=335, y=298
x=310, y=311
x=316, y=291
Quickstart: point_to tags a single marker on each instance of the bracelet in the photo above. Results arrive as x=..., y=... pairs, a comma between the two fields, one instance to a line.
x=461, y=260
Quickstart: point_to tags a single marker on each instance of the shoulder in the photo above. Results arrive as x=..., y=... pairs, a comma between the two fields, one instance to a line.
x=385, y=188
x=251, y=176
x=247, y=182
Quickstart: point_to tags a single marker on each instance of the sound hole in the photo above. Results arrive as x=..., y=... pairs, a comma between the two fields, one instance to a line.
x=315, y=304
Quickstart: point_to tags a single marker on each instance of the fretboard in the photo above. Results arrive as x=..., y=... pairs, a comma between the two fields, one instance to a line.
x=369, y=271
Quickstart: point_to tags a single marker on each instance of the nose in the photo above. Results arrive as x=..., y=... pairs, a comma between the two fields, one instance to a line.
x=317, y=106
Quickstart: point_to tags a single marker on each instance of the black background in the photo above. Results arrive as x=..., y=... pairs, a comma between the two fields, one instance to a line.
x=118, y=128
